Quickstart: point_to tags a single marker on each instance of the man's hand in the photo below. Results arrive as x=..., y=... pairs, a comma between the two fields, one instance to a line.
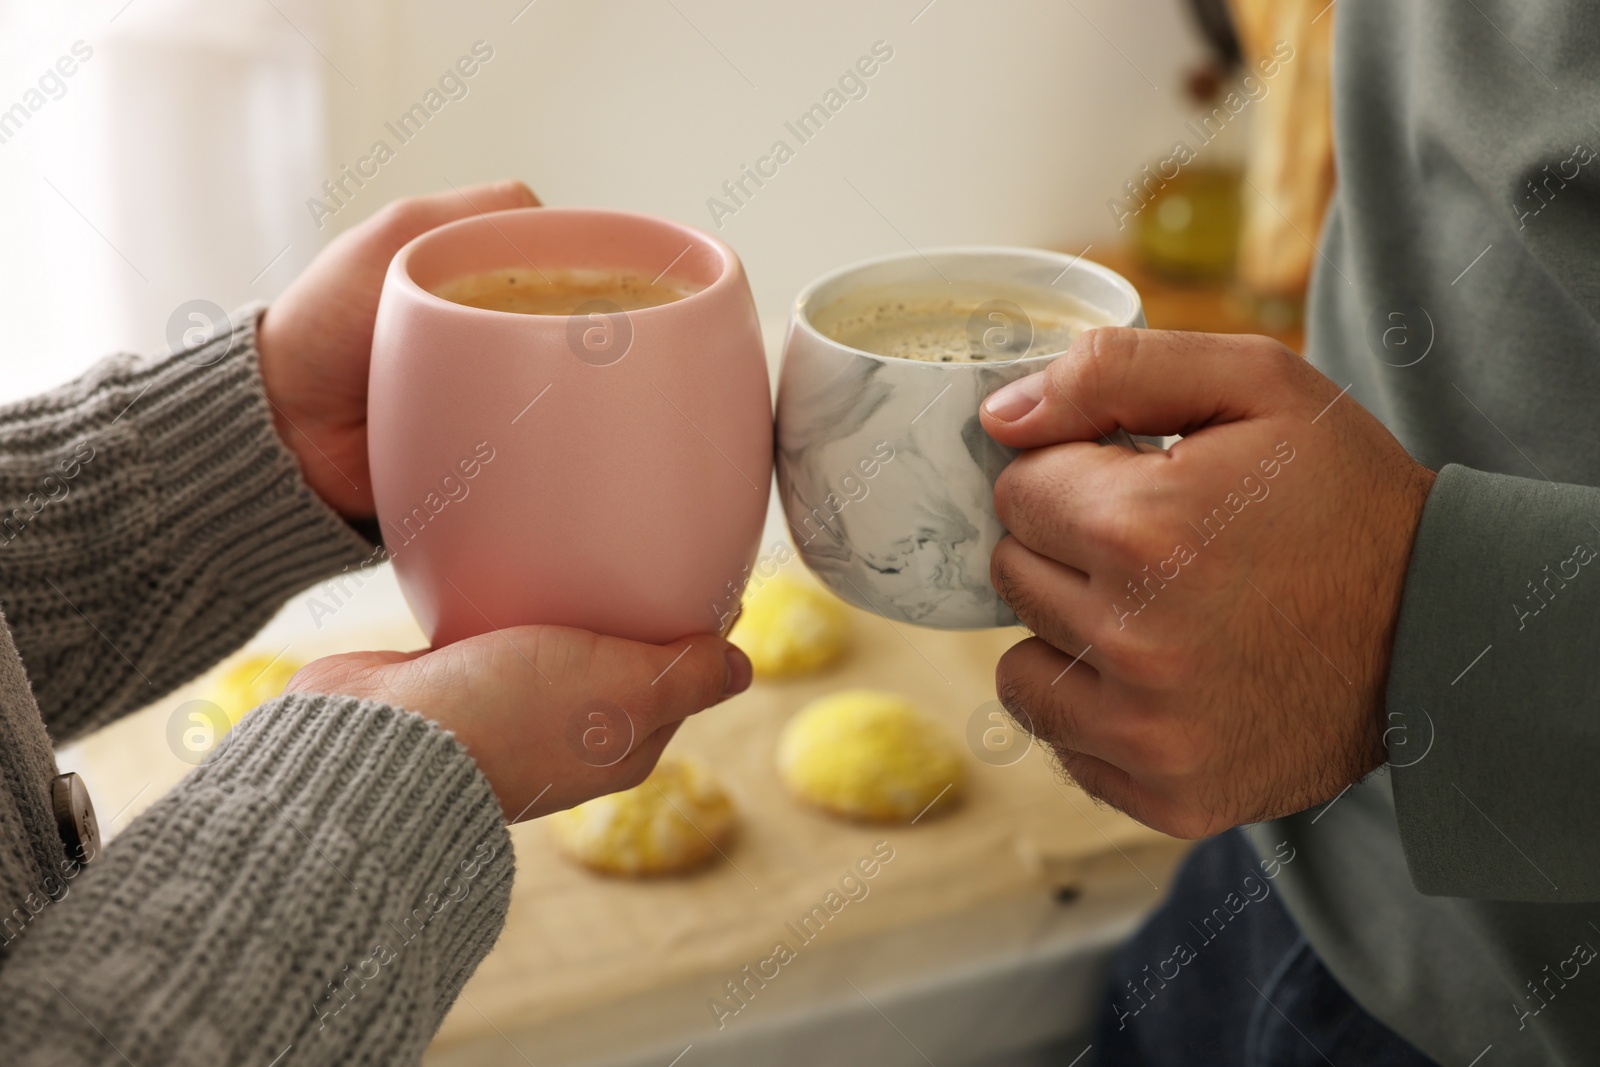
x=553, y=716
x=315, y=340
x=1214, y=622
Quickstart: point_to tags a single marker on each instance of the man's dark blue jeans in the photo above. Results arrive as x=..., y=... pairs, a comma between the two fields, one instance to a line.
x=1194, y=990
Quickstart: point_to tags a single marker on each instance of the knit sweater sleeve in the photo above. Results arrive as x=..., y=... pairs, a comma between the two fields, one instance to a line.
x=315, y=894
x=151, y=520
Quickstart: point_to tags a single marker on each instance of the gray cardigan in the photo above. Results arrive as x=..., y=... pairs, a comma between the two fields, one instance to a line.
x=319, y=890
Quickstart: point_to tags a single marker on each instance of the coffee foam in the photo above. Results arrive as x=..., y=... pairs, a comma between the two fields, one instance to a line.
x=957, y=323
x=527, y=291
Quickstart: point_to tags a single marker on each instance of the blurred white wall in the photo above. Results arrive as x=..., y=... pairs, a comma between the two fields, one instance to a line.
x=179, y=161
x=1007, y=121
x=162, y=172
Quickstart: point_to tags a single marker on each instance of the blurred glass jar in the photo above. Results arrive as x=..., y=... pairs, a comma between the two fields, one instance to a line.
x=1189, y=231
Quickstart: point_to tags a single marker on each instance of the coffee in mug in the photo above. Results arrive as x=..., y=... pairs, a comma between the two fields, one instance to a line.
x=527, y=291
x=951, y=322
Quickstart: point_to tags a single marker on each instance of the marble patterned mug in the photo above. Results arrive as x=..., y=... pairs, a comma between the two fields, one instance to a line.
x=885, y=475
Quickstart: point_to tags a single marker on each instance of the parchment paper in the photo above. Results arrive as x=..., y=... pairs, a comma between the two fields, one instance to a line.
x=575, y=939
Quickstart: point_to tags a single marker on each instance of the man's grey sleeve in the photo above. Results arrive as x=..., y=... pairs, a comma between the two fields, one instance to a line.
x=1494, y=691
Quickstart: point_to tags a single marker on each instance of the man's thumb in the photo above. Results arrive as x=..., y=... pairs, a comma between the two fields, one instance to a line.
x=1148, y=382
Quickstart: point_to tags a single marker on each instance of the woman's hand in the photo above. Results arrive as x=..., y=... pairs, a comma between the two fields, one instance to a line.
x=553, y=716
x=315, y=341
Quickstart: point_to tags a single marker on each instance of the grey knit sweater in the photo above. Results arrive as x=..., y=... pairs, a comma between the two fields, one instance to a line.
x=320, y=890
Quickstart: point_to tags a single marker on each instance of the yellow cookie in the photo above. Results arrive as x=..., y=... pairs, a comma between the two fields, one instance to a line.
x=869, y=755
x=672, y=822
x=252, y=681
x=790, y=627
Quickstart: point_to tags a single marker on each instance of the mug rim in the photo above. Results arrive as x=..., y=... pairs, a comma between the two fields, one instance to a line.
x=400, y=265
x=800, y=312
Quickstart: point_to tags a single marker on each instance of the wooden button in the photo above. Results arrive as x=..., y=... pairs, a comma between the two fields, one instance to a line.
x=75, y=820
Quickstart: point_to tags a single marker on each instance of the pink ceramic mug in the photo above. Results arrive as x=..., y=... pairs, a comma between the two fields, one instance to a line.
x=607, y=471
